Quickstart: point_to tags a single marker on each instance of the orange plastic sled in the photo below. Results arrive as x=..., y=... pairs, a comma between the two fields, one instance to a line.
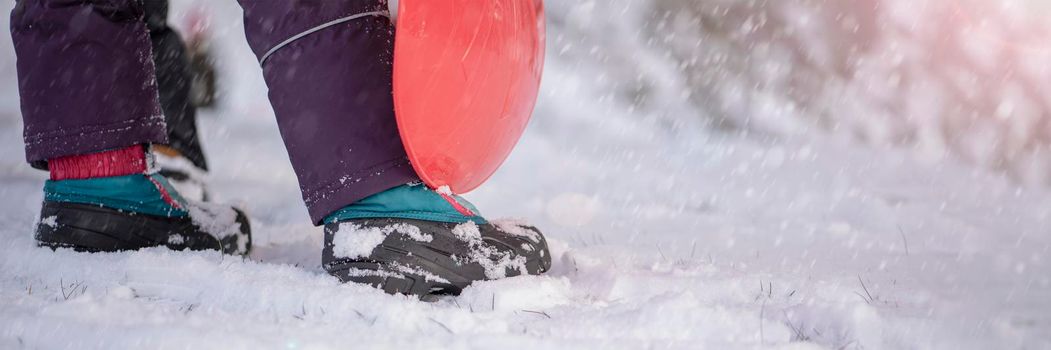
x=466, y=78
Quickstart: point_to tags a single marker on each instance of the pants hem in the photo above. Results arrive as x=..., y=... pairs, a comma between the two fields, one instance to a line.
x=94, y=138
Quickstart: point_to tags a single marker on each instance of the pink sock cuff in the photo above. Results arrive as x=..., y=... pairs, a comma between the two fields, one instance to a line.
x=117, y=162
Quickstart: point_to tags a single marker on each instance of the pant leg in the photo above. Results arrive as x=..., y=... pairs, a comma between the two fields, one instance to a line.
x=85, y=77
x=174, y=80
x=332, y=93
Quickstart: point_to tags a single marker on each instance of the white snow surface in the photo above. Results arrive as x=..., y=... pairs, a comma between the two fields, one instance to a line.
x=663, y=236
x=215, y=218
x=517, y=227
x=356, y=241
x=495, y=262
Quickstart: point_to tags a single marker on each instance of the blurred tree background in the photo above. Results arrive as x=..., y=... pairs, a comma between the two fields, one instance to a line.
x=966, y=79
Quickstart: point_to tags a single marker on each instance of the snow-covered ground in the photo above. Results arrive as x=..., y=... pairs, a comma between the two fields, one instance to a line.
x=666, y=235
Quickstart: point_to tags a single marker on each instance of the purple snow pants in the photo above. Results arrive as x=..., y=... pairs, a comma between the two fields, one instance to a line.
x=87, y=84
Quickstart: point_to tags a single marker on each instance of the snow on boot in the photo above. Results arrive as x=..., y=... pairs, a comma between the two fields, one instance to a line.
x=107, y=202
x=187, y=178
x=409, y=240
x=417, y=257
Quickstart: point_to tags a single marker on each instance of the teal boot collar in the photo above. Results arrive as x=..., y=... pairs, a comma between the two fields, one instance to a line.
x=411, y=201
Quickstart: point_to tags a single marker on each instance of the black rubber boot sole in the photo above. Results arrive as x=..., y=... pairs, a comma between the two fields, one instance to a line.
x=92, y=228
x=445, y=265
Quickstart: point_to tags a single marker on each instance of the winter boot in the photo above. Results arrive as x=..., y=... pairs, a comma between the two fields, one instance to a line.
x=412, y=240
x=114, y=200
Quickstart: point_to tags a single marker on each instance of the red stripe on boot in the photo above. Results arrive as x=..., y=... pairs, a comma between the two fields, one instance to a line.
x=118, y=162
x=164, y=193
x=456, y=205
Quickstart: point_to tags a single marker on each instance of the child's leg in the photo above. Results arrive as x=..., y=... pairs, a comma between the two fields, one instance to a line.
x=331, y=91
x=89, y=103
x=328, y=64
x=85, y=77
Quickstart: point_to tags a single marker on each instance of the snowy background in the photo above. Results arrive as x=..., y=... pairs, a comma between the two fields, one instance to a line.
x=802, y=174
